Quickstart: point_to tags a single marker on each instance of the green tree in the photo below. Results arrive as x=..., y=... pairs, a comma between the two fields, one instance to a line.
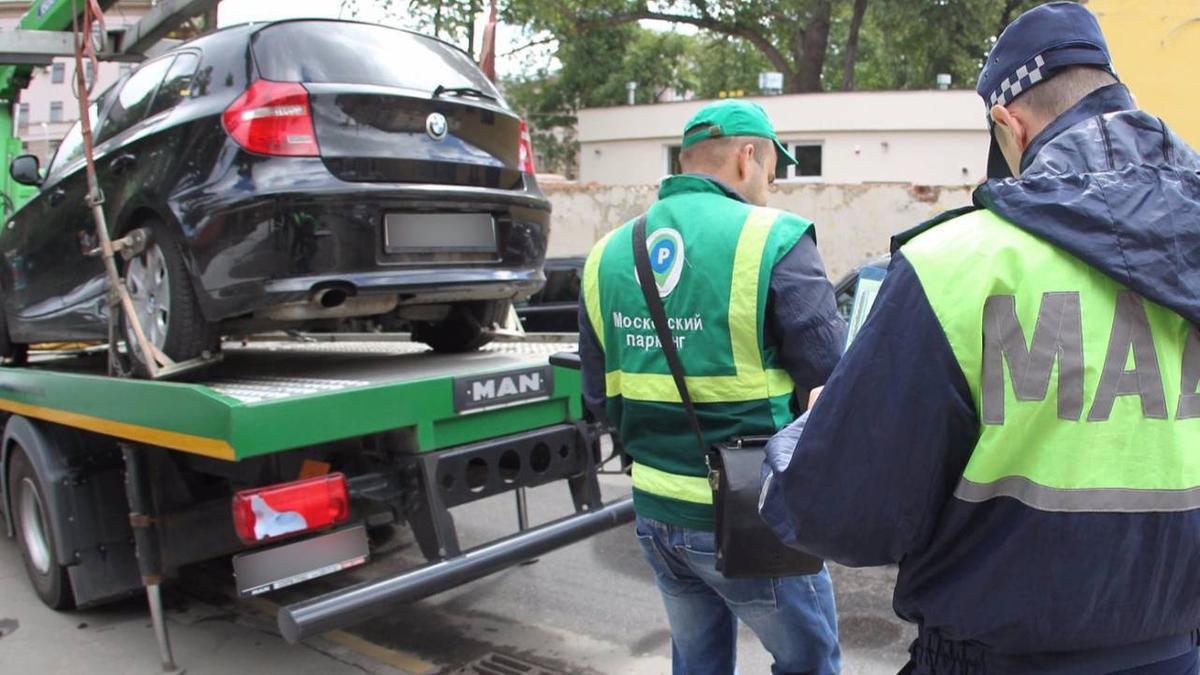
x=791, y=34
x=905, y=45
x=724, y=65
x=660, y=62
x=450, y=20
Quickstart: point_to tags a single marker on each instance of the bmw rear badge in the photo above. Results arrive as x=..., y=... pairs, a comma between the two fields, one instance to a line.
x=436, y=125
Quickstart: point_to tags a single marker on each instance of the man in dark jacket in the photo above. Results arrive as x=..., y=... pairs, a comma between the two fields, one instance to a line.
x=754, y=320
x=1018, y=422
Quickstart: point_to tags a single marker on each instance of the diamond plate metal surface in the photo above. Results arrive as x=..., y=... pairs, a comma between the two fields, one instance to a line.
x=256, y=389
x=397, y=347
x=267, y=380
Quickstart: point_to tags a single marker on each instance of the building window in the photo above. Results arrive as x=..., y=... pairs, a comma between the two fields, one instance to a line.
x=808, y=162
x=56, y=108
x=807, y=154
x=89, y=71
x=673, y=167
x=58, y=73
x=23, y=114
x=808, y=158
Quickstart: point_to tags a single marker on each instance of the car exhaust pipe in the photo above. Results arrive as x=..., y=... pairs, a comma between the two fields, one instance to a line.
x=331, y=303
x=369, y=599
x=329, y=298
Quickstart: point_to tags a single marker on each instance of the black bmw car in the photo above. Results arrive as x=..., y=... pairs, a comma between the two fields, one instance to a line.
x=289, y=174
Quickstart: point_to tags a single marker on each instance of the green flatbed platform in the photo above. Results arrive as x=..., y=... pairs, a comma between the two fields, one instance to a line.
x=265, y=397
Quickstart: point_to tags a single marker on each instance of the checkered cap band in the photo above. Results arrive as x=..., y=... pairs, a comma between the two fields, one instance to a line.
x=1026, y=76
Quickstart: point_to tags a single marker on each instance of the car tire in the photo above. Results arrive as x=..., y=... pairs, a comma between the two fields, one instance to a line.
x=11, y=353
x=161, y=289
x=35, y=533
x=465, y=330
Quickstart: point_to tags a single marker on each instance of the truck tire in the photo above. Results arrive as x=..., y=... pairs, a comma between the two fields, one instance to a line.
x=466, y=329
x=162, y=293
x=35, y=533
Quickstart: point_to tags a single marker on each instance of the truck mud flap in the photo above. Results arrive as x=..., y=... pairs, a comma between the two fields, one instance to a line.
x=369, y=599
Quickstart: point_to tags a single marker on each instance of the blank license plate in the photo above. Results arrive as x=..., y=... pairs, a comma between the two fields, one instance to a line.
x=431, y=232
x=282, y=566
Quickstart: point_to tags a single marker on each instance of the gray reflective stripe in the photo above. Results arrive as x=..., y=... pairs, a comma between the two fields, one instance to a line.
x=1094, y=500
x=1057, y=335
x=1189, y=400
x=1130, y=330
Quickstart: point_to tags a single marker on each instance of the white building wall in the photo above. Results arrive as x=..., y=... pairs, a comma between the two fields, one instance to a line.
x=922, y=137
x=36, y=129
x=854, y=223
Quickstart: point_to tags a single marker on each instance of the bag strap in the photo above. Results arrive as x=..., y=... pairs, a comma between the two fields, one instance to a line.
x=658, y=316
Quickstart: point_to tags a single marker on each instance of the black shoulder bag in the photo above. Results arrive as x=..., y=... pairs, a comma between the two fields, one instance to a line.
x=746, y=546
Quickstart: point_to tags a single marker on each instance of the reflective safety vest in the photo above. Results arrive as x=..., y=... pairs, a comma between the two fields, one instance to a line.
x=712, y=258
x=1086, y=392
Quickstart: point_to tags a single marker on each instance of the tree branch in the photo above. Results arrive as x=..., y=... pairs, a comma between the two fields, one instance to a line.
x=530, y=45
x=856, y=19
x=760, y=41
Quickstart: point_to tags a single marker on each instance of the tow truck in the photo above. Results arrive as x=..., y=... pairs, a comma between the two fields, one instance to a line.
x=292, y=455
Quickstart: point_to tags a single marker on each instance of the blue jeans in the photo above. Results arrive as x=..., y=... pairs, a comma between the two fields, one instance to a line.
x=793, y=617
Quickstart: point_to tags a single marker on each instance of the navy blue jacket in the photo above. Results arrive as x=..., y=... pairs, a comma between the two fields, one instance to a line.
x=871, y=479
x=802, y=319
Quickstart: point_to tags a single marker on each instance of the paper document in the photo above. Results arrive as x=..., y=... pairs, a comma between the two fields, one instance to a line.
x=869, y=281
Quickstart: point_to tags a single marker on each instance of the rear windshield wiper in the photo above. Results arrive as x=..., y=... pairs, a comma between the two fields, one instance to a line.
x=462, y=91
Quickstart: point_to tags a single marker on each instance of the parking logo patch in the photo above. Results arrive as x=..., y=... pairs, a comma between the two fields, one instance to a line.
x=666, y=259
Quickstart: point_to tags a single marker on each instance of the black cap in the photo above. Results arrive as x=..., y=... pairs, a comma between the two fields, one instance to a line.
x=1030, y=51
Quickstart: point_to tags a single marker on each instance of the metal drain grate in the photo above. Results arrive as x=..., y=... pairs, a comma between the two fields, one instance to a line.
x=504, y=664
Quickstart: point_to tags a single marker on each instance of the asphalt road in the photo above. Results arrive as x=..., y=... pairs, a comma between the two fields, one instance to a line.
x=588, y=608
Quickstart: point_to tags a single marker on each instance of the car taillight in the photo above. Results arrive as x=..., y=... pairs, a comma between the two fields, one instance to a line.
x=526, y=148
x=273, y=118
x=263, y=514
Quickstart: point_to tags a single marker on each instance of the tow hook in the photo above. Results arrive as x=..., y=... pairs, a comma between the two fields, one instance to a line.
x=130, y=246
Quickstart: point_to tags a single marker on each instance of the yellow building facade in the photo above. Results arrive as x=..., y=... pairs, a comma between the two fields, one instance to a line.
x=1156, y=50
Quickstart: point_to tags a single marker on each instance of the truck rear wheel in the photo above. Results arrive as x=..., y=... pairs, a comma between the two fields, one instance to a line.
x=35, y=533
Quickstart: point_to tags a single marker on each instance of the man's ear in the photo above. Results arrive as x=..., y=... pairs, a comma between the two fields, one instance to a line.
x=744, y=157
x=1014, y=122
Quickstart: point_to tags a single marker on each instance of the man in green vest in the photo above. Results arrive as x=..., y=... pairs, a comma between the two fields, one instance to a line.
x=754, y=321
x=1017, y=424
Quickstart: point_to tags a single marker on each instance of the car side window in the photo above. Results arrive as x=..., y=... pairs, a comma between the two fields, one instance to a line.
x=176, y=86
x=134, y=99
x=71, y=147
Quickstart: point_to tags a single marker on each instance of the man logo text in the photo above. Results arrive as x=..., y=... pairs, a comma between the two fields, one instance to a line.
x=1129, y=366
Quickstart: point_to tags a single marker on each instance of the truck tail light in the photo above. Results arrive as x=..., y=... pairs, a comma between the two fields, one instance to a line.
x=273, y=118
x=526, y=148
x=267, y=513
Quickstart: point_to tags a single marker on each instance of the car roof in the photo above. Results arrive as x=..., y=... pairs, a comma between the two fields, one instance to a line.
x=250, y=28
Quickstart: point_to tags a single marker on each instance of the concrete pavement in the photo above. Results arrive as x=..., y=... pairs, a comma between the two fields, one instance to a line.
x=589, y=608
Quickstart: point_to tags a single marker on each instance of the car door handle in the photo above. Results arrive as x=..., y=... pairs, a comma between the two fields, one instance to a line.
x=56, y=196
x=122, y=163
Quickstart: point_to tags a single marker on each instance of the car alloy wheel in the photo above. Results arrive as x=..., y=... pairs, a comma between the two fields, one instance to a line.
x=148, y=279
x=32, y=521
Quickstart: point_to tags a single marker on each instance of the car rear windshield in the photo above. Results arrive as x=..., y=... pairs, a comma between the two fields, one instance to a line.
x=354, y=53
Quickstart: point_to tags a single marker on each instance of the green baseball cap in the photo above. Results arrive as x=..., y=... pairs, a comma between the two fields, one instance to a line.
x=733, y=117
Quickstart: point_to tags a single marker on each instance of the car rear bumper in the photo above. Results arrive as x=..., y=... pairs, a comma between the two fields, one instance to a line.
x=284, y=239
